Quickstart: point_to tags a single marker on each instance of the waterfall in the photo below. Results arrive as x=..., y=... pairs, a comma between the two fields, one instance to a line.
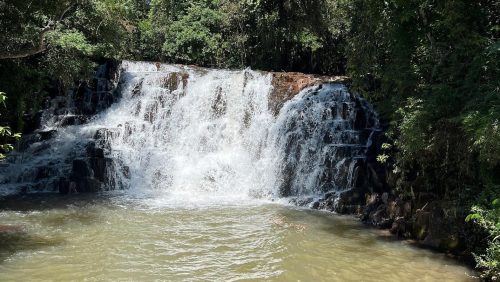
x=319, y=138
x=187, y=132
x=194, y=133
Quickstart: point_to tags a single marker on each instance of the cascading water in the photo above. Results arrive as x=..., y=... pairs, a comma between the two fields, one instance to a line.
x=196, y=133
x=46, y=159
x=320, y=137
x=188, y=133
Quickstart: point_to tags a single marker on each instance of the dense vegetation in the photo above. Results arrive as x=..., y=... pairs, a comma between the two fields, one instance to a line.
x=431, y=67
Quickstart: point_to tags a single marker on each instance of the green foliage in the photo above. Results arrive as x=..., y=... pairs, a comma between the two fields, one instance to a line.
x=411, y=127
x=6, y=133
x=309, y=40
x=488, y=218
x=279, y=35
x=47, y=41
x=382, y=158
x=194, y=37
x=433, y=67
x=485, y=132
x=71, y=40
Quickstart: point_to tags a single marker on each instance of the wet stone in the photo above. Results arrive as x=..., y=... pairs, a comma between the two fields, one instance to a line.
x=80, y=170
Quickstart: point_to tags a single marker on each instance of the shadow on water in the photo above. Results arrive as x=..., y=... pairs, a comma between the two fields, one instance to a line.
x=14, y=242
x=348, y=226
x=50, y=201
x=42, y=217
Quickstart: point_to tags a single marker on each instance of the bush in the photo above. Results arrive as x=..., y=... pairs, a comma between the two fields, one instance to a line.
x=488, y=218
x=6, y=133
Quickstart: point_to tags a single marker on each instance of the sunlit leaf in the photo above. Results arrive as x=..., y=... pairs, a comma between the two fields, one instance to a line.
x=472, y=217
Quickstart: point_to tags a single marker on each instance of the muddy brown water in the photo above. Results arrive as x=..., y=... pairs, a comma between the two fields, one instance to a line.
x=115, y=238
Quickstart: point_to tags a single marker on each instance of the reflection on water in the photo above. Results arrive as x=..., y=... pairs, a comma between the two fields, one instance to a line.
x=113, y=239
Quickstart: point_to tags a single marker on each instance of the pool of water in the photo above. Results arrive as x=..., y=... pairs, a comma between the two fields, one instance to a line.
x=116, y=238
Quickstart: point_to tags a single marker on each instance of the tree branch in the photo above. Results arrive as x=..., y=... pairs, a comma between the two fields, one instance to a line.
x=40, y=47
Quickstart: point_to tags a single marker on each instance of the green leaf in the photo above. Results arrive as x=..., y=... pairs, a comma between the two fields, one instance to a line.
x=5, y=131
x=3, y=98
x=7, y=147
x=382, y=158
x=386, y=146
x=496, y=203
x=472, y=217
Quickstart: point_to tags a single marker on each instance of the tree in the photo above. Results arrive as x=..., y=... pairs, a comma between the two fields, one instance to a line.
x=57, y=42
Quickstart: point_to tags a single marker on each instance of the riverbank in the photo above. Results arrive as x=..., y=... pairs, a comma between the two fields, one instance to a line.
x=433, y=224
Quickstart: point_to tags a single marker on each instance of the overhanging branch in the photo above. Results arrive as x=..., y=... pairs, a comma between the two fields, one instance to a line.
x=40, y=47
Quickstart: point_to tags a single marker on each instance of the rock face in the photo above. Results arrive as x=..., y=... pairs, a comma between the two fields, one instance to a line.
x=287, y=85
x=432, y=225
x=323, y=140
x=42, y=163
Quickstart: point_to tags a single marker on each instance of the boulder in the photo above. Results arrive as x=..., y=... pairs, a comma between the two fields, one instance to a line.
x=80, y=170
x=64, y=185
x=46, y=135
x=88, y=185
x=32, y=122
x=73, y=120
x=434, y=229
x=99, y=166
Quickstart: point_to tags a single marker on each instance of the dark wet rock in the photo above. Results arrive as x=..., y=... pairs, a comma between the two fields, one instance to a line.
x=174, y=80
x=431, y=225
x=32, y=122
x=126, y=171
x=88, y=185
x=98, y=153
x=327, y=202
x=83, y=178
x=93, y=151
x=137, y=88
x=46, y=135
x=401, y=227
x=43, y=172
x=103, y=136
x=315, y=205
x=349, y=201
x=219, y=104
x=99, y=166
x=302, y=201
x=28, y=140
x=80, y=170
x=73, y=120
x=39, y=147
x=343, y=202
x=64, y=185
x=433, y=228
x=105, y=133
